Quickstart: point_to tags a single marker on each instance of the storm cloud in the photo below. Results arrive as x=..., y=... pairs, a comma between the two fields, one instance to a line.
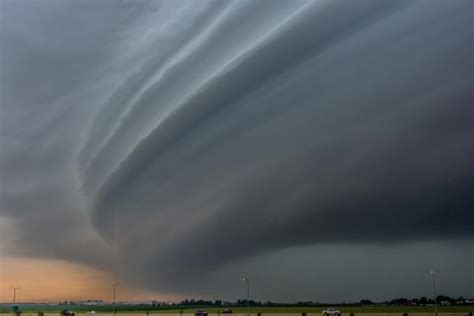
x=190, y=138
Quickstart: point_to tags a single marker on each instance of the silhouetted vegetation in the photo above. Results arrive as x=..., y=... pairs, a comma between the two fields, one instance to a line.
x=402, y=305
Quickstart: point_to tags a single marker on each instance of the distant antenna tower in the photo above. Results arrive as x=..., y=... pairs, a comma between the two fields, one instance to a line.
x=114, y=288
x=14, y=289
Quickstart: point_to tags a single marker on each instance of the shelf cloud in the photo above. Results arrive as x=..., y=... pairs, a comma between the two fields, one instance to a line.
x=172, y=140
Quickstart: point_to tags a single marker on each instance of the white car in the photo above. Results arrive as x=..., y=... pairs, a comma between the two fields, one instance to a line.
x=331, y=311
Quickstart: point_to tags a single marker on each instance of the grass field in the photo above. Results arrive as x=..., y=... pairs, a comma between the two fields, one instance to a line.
x=270, y=310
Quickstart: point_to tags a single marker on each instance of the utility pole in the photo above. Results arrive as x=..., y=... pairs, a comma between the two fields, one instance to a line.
x=434, y=292
x=248, y=295
x=114, y=287
x=14, y=289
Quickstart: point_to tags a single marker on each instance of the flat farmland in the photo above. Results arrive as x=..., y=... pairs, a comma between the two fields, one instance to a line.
x=125, y=310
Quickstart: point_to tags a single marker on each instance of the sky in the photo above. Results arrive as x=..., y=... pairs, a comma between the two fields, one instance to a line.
x=322, y=149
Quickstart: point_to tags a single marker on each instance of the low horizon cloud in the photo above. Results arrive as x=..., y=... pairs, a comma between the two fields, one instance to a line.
x=320, y=148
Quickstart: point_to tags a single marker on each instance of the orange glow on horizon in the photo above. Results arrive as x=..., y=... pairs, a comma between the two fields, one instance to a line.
x=44, y=280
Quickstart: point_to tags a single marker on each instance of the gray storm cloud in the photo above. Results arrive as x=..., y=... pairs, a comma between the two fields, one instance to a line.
x=188, y=138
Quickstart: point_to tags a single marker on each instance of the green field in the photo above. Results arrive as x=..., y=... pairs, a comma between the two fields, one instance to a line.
x=343, y=309
x=212, y=309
